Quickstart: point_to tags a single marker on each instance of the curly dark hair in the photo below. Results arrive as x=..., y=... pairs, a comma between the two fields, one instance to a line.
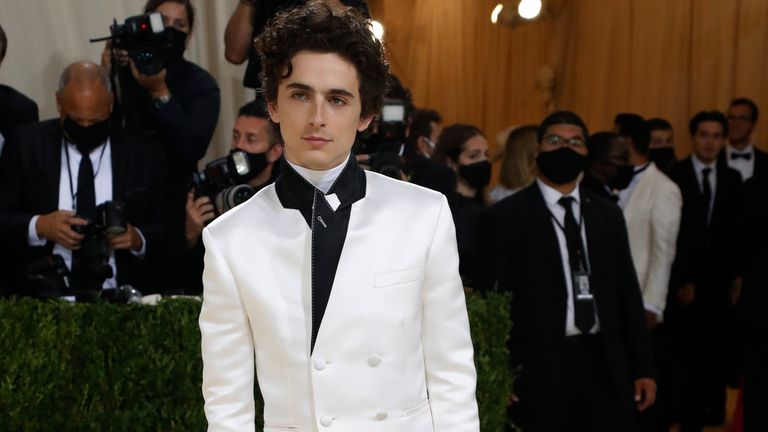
x=316, y=27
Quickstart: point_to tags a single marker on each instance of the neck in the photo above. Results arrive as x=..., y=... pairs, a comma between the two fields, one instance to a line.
x=637, y=159
x=464, y=189
x=565, y=188
x=740, y=145
x=599, y=176
x=263, y=177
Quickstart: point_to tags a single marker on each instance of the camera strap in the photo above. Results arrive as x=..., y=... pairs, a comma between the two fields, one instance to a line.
x=72, y=191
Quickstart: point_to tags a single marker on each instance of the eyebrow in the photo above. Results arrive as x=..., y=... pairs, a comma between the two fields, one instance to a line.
x=335, y=92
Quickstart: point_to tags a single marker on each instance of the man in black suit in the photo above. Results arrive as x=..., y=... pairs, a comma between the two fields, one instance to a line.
x=15, y=108
x=608, y=168
x=49, y=186
x=741, y=153
x=704, y=274
x=579, y=337
x=419, y=146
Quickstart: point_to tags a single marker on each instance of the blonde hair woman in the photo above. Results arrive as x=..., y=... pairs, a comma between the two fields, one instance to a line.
x=518, y=165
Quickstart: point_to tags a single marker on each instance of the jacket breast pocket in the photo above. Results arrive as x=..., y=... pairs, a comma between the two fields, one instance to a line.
x=398, y=277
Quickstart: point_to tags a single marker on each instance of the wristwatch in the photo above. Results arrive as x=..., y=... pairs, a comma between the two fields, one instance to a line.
x=161, y=101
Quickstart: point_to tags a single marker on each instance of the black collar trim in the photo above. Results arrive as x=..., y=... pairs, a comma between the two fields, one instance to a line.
x=295, y=192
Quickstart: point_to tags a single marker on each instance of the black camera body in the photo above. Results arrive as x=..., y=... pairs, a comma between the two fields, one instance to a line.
x=145, y=39
x=223, y=181
x=93, y=255
x=385, y=145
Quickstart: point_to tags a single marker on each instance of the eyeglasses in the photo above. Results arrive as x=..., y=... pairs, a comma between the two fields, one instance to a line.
x=740, y=118
x=558, y=141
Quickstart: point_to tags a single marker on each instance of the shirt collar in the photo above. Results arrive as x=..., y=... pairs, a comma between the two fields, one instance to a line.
x=698, y=165
x=552, y=196
x=749, y=149
x=322, y=180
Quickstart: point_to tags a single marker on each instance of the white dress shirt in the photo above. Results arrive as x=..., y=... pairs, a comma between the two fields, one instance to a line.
x=698, y=167
x=551, y=197
x=322, y=180
x=101, y=158
x=745, y=167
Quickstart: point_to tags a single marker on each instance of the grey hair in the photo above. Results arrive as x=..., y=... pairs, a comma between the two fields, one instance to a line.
x=103, y=76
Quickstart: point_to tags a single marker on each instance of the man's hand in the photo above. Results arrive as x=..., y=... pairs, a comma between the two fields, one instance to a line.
x=199, y=212
x=651, y=319
x=687, y=293
x=645, y=393
x=130, y=239
x=155, y=84
x=57, y=227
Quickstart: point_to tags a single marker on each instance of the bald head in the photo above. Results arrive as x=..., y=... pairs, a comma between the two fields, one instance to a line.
x=84, y=93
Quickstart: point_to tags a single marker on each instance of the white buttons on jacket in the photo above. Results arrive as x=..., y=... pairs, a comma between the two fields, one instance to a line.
x=374, y=359
x=320, y=364
x=326, y=421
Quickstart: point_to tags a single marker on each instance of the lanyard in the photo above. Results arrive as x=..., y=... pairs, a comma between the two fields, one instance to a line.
x=69, y=170
x=585, y=258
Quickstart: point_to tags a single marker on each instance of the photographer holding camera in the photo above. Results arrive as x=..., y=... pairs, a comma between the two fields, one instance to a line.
x=54, y=173
x=252, y=137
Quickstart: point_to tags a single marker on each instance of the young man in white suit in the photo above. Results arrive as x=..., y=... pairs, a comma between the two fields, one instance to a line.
x=343, y=284
x=652, y=206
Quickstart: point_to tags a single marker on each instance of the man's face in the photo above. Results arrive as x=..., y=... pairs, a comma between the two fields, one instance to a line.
x=318, y=108
x=661, y=138
x=567, y=132
x=708, y=141
x=250, y=134
x=617, y=156
x=740, y=123
x=84, y=103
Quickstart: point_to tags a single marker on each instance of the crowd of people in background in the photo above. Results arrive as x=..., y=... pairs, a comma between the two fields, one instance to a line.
x=638, y=279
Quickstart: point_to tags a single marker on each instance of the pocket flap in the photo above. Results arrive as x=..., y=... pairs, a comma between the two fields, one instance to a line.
x=395, y=277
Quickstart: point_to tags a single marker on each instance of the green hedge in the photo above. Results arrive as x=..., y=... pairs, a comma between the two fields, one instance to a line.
x=113, y=367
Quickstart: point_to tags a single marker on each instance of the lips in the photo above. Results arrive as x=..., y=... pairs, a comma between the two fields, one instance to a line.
x=315, y=140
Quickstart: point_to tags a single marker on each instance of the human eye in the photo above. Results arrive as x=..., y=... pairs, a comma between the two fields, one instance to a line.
x=299, y=95
x=337, y=101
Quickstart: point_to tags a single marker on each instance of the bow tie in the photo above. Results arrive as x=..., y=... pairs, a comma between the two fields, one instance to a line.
x=745, y=156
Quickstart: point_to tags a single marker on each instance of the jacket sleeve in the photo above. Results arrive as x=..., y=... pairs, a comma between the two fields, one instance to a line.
x=665, y=223
x=227, y=347
x=14, y=222
x=634, y=328
x=448, y=352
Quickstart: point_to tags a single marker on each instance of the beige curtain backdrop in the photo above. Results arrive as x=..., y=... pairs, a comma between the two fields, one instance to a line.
x=668, y=58
x=46, y=35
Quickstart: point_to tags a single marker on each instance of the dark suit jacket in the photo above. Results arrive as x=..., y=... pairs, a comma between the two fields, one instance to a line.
x=707, y=255
x=30, y=171
x=528, y=264
x=761, y=161
x=15, y=109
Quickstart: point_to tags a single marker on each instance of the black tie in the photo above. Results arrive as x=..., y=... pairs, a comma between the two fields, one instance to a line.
x=706, y=192
x=745, y=156
x=584, y=312
x=86, y=191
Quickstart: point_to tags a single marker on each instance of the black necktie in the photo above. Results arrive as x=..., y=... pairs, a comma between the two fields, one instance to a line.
x=584, y=313
x=745, y=156
x=86, y=191
x=706, y=192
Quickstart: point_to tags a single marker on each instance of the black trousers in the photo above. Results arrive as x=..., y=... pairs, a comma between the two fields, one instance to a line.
x=756, y=383
x=587, y=400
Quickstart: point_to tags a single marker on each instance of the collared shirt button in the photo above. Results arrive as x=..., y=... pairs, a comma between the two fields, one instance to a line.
x=320, y=364
x=374, y=360
x=381, y=416
x=326, y=421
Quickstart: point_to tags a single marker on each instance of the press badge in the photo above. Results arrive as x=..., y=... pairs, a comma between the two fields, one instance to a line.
x=581, y=283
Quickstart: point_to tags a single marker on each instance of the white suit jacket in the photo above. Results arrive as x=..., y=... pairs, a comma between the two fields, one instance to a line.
x=393, y=352
x=652, y=214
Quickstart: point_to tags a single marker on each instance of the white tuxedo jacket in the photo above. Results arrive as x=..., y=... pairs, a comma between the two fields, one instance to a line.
x=652, y=213
x=393, y=352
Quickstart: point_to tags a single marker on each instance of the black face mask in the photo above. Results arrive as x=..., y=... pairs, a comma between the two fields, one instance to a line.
x=624, y=175
x=177, y=44
x=86, y=138
x=562, y=165
x=477, y=174
x=245, y=165
x=662, y=157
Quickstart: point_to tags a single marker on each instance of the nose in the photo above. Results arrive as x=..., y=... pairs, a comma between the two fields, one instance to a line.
x=317, y=114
